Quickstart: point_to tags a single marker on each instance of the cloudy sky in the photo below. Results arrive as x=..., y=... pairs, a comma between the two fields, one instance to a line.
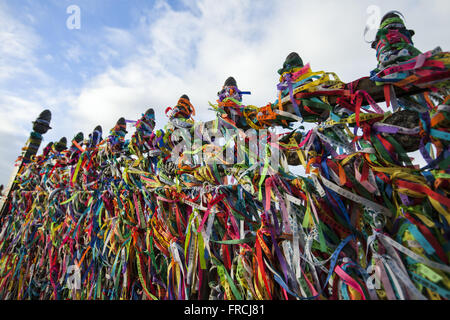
x=129, y=55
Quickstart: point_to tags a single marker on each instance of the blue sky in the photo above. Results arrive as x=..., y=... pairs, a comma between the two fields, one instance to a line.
x=130, y=55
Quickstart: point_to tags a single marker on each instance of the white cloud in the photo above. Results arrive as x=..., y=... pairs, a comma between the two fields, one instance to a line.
x=15, y=110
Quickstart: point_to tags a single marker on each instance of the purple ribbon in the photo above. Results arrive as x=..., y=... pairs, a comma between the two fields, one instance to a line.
x=405, y=199
x=383, y=127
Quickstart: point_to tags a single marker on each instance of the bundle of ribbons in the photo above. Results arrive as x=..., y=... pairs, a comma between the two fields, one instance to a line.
x=112, y=218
